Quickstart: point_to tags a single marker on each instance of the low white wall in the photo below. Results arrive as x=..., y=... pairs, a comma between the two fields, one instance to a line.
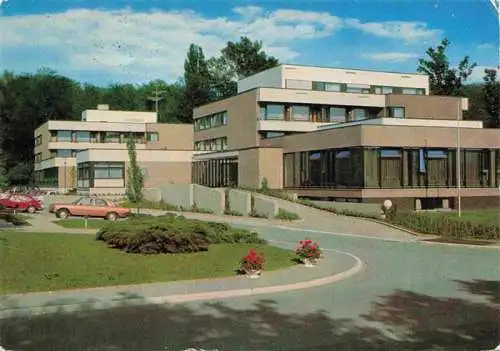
x=266, y=207
x=213, y=199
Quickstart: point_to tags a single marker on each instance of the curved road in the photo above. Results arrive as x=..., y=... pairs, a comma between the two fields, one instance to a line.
x=411, y=296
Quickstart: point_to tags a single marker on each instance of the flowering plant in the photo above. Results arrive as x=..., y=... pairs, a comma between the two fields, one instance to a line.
x=253, y=261
x=307, y=249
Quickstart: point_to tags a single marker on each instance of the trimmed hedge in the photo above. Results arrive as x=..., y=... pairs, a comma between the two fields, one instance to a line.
x=447, y=226
x=171, y=234
x=14, y=219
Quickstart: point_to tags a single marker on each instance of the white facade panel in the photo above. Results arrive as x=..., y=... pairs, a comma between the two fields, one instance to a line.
x=339, y=75
x=269, y=78
x=97, y=126
x=142, y=156
x=212, y=155
x=320, y=97
x=119, y=116
x=289, y=126
x=409, y=122
x=53, y=145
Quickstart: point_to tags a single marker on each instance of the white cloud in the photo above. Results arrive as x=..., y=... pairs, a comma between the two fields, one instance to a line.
x=478, y=73
x=407, y=31
x=147, y=45
x=485, y=46
x=139, y=46
x=390, y=56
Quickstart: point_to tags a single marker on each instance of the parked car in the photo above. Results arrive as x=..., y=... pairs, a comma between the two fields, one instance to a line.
x=20, y=202
x=89, y=206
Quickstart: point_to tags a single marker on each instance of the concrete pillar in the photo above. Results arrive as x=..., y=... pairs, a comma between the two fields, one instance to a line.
x=418, y=204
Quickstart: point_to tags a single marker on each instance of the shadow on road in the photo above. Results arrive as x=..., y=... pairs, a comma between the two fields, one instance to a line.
x=420, y=322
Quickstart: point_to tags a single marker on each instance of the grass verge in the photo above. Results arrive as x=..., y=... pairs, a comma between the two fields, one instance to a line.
x=79, y=223
x=65, y=261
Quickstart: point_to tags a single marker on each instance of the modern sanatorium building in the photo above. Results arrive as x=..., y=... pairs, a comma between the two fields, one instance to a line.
x=349, y=135
x=342, y=134
x=91, y=155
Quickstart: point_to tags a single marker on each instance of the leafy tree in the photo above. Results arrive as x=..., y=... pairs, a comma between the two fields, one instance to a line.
x=223, y=78
x=196, y=81
x=246, y=58
x=491, y=95
x=445, y=80
x=135, y=178
x=476, y=111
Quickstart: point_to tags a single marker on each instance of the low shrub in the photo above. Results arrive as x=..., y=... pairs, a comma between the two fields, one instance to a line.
x=229, y=212
x=256, y=214
x=150, y=205
x=196, y=209
x=287, y=215
x=171, y=234
x=446, y=226
x=14, y=219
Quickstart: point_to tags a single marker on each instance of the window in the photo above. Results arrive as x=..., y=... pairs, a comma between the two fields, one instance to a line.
x=84, y=201
x=108, y=171
x=337, y=114
x=397, y=112
x=421, y=161
x=153, y=137
x=111, y=137
x=435, y=153
x=300, y=113
x=211, y=121
x=332, y=87
x=409, y=91
x=387, y=90
x=38, y=157
x=358, y=88
x=390, y=153
x=343, y=154
x=274, y=112
x=64, y=135
x=358, y=114
x=268, y=135
x=64, y=153
x=315, y=156
x=83, y=137
x=38, y=140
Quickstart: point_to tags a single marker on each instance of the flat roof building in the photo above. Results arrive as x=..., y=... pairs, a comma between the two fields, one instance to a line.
x=349, y=135
x=91, y=155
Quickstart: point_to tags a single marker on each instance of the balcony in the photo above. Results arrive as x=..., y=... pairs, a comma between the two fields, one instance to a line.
x=289, y=126
x=55, y=162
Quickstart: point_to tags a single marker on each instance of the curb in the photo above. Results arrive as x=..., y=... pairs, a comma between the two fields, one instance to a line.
x=224, y=294
x=358, y=267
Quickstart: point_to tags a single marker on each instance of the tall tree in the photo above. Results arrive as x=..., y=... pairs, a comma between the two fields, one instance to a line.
x=197, y=83
x=135, y=178
x=246, y=57
x=445, y=80
x=223, y=78
x=491, y=95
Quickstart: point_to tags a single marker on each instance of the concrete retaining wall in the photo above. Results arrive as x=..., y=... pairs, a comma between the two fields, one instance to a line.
x=368, y=209
x=180, y=195
x=240, y=201
x=152, y=194
x=209, y=198
x=266, y=207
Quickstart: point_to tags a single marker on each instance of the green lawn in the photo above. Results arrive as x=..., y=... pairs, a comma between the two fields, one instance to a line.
x=79, y=223
x=42, y=262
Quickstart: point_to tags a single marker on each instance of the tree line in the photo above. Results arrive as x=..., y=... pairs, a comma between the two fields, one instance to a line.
x=29, y=100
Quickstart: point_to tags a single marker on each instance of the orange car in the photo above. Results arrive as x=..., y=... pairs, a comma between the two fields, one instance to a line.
x=90, y=207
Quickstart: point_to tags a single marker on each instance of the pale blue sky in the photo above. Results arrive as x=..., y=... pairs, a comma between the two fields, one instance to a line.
x=137, y=40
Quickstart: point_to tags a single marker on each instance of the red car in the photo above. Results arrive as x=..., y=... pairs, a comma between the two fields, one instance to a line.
x=20, y=202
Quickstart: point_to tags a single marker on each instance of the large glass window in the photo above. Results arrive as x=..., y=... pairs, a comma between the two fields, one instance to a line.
x=358, y=114
x=358, y=88
x=153, y=137
x=397, y=112
x=332, y=87
x=83, y=137
x=409, y=91
x=64, y=153
x=300, y=113
x=337, y=114
x=112, y=137
x=108, y=171
x=64, y=135
x=274, y=112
